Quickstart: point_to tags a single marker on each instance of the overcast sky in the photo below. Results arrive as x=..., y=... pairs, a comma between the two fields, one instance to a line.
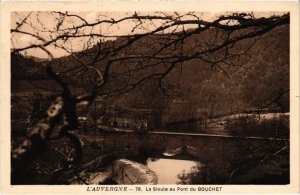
x=41, y=20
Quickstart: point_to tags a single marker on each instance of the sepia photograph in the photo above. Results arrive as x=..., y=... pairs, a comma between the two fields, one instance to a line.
x=150, y=98
x=179, y=98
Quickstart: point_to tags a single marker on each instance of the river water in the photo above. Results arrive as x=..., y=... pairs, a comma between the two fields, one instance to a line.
x=168, y=170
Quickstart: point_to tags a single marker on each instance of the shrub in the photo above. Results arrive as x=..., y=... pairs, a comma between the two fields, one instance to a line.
x=278, y=126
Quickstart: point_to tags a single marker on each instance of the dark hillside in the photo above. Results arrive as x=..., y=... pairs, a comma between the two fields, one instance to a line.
x=247, y=81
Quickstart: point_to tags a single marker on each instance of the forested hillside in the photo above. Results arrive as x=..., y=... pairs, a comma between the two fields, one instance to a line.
x=255, y=77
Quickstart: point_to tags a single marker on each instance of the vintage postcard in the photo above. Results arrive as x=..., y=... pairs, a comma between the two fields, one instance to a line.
x=149, y=97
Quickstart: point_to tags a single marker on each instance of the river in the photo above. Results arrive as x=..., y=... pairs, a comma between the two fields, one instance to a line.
x=167, y=170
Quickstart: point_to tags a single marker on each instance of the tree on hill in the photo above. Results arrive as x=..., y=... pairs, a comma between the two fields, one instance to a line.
x=108, y=63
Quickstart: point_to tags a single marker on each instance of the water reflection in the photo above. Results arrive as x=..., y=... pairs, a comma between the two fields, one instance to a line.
x=168, y=170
